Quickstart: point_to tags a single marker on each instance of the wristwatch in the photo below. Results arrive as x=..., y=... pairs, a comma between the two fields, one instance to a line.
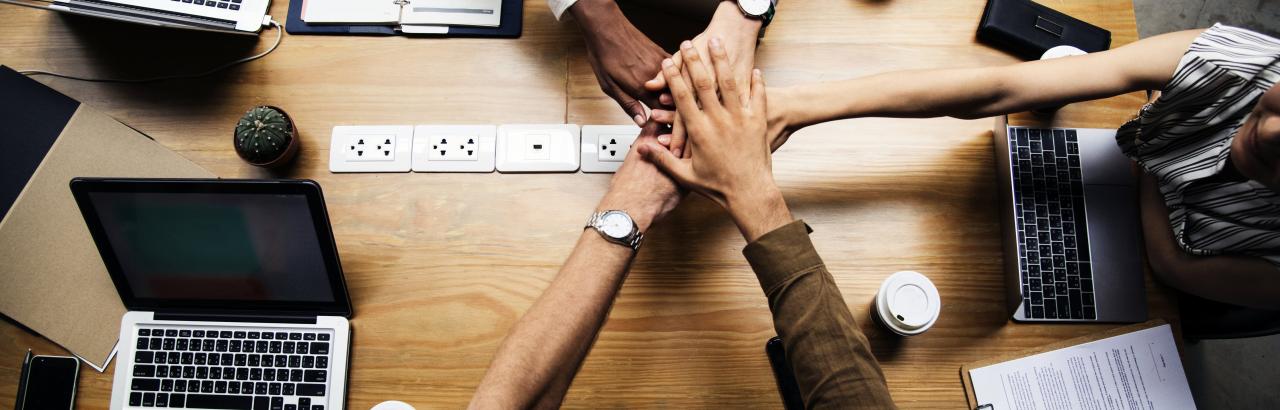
x=617, y=227
x=761, y=9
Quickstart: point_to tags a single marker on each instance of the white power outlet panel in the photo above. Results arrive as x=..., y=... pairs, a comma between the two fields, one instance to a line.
x=454, y=148
x=377, y=148
x=538, y=148
x=605, y=146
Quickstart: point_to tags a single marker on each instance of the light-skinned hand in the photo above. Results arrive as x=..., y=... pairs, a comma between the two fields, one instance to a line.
x=738, y=34
x=638, y=187
x=728, y=157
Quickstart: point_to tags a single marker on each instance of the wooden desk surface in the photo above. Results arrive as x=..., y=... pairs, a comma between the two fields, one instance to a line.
x=439, y=266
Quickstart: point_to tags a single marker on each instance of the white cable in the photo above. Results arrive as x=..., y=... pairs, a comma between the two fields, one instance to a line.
x=279, y=36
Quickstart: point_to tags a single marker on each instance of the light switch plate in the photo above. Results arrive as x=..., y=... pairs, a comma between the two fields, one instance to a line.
x=538, y=148
x=454, y=148
x=373, y=148
x=605, y=146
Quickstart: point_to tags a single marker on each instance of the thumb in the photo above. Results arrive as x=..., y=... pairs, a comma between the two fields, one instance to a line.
x=659, y=156
x=631, y=106
x=634, y=108
x=655, y=84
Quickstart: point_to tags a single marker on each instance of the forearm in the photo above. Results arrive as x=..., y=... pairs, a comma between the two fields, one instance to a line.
x=829, y=356
x=596, y=16
x=989, y=91
x=537, y=361
x=961, y=93
x=1235, y=279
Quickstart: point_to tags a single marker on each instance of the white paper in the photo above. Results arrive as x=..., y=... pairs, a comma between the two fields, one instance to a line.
x=106, y=363
x=1139, y=370
x=351, y=11
x=481, y=13
x=423, y=29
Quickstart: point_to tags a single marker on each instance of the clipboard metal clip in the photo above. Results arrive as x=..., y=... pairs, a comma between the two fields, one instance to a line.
x=987, y=406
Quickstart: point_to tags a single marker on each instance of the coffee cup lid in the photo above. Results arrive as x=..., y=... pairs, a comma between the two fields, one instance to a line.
x=908, y=302
x=1061, y=51
x=392, y=405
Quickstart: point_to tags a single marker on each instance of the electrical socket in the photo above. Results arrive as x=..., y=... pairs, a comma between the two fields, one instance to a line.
x=604, y=147
x=538, y=148
x=454, y=148
x=378, y=148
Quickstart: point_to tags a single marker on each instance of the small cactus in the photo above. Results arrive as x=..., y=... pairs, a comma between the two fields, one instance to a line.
x=265, y=136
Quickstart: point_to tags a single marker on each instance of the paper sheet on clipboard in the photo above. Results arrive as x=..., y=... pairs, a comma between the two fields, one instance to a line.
x=1136, y=370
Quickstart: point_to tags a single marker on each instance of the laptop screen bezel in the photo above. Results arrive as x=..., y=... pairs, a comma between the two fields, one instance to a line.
x=83, y=188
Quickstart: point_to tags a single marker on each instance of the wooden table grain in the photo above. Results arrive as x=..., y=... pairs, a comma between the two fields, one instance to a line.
x=440, y=266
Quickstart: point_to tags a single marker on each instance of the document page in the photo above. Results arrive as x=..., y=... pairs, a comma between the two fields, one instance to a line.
x=1138, y=370
x=351, y=11
x=480, y=13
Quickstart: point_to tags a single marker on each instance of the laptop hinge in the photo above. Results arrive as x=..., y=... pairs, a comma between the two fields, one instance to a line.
x=213, y=317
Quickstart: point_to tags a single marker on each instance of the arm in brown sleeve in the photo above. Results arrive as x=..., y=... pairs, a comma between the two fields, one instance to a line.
x=829, y=355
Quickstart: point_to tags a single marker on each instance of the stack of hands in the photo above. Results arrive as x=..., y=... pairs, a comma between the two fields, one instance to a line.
x=720, y=146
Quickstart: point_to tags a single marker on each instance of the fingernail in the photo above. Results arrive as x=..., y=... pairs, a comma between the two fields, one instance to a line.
x=639, y=120
x=664, y=139
x=756, y=72
x=666, y=62
x=676, y=152
x=686, y=45
x=715, y=42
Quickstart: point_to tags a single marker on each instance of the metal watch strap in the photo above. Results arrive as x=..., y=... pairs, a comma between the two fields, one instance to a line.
x=632, y=241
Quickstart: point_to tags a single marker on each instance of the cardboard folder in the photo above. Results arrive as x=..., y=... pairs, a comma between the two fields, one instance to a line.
x=53, y=278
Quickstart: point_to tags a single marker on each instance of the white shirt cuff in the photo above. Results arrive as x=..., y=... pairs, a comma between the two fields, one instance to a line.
x=558, y=7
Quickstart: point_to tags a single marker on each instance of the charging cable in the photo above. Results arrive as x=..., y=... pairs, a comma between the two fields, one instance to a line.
x=272, y=23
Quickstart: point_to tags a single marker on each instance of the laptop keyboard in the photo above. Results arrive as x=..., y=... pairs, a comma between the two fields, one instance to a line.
x=230, y=368
x=1053, y=245
x=227, y=4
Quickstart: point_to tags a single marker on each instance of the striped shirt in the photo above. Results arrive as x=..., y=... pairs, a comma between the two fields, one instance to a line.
x=1183, y=139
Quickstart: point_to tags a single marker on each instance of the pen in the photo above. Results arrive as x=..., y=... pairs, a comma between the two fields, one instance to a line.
x=22, y=381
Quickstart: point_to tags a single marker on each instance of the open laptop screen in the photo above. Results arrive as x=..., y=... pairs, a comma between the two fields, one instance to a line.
x=213, y=244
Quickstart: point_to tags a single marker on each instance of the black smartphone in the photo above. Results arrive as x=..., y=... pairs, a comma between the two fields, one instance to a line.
x=49, y=382
x=787, y=386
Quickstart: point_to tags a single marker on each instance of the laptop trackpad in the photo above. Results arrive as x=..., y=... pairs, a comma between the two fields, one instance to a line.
x=1102, y=161
x=1115, y=252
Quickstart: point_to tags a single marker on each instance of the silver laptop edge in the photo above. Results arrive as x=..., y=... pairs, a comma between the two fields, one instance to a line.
x=250, y=22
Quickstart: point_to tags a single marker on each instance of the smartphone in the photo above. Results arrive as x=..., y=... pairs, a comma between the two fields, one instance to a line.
x=49, y=382
x=787, y=386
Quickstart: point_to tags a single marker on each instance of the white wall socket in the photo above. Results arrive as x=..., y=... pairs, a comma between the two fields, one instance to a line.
x=538, y=148
x=454, y=148
x=378, y=148
x=605, y=146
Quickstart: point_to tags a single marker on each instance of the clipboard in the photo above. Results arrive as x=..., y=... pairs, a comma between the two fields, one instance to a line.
x=511, y=26
x=971, y=397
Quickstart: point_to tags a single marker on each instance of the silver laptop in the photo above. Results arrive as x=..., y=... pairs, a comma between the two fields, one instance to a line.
x=1069, y=208
x=231, y=16
x=234, y=291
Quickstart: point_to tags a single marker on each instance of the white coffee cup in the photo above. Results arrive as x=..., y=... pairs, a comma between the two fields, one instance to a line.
x=392, y=405
x=907, y=303
x=1061, y=51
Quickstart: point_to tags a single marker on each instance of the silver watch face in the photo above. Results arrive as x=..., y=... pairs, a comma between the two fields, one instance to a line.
x=754, y=7
x=615, y=224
